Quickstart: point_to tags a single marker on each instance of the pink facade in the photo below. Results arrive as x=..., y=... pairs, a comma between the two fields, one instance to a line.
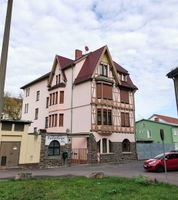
x=89, y=95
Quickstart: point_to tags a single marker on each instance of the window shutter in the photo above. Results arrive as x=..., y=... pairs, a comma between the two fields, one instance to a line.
x=124, y=96
x=99, y=90
x=107, y=91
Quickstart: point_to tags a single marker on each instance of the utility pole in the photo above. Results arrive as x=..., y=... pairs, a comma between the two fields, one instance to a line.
x=4, y=53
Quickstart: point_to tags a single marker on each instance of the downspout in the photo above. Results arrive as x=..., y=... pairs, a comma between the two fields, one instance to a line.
x=71, y=103
x=134, y=124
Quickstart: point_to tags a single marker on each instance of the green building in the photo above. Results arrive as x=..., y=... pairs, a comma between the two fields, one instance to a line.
x=149, y=143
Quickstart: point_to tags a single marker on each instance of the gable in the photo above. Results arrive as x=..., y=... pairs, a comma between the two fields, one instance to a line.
x=59, y=65
x=92, y=62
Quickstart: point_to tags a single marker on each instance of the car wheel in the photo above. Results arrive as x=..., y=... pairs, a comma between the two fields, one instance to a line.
x=160, y=168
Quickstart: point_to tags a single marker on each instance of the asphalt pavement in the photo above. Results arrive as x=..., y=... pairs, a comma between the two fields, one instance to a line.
x=129, y=169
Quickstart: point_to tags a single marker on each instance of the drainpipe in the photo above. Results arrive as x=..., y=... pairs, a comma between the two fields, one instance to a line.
x=4, y=53
x=135, y=125
x=71, y=105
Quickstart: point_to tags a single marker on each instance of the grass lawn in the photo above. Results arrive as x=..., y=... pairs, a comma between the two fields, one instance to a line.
x=86, y=189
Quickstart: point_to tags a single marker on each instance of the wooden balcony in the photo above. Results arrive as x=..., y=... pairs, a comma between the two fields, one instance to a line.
x=108, y=130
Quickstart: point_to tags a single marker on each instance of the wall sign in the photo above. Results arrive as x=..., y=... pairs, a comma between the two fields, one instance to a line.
x=61, y=139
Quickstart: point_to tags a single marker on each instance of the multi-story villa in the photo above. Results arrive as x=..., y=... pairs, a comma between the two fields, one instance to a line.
x=88, y=102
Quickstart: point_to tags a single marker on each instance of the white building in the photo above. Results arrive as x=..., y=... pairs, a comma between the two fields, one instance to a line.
x=89, y=96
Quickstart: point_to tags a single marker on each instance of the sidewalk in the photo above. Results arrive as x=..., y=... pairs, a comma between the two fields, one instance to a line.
x=130, y=169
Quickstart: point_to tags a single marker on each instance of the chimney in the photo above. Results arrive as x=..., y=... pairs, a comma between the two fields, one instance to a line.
x=78, y=54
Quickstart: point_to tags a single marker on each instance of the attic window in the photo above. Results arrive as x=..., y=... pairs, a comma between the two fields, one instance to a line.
x=103, y=70
x=123, y=77
x=58, y=77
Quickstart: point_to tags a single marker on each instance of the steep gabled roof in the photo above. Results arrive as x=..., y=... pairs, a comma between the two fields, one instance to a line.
x=89, y=66
x=167, y=119
x=120, y=69
x=91, y=61
x=63, y=63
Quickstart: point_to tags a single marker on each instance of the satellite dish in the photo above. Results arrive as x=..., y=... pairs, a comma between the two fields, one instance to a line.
x=86, y=48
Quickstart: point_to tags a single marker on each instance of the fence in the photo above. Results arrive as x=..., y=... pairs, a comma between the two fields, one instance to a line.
x=79, y=156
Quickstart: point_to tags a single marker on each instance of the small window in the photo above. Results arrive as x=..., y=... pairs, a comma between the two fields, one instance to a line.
x=149, y=135
x=61, y=100
x=19, y=127
x=46, y=122
x=36, y=113
x=54, y=148
x=126, y=145
x=58, y=77
x=103, y=70
x=26, y=108
x=37, y=95
x=6, y=126
x=47, y=102
x=61, y=119
x=123, y=77
x=27, y=92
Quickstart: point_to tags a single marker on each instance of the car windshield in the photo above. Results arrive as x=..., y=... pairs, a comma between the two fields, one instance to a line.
x=159, y=156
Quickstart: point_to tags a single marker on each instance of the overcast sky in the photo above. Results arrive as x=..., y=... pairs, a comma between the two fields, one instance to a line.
x=142, y=36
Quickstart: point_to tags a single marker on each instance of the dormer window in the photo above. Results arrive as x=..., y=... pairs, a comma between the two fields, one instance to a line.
x=58, y=77
x=123, y=77
x=103, y=70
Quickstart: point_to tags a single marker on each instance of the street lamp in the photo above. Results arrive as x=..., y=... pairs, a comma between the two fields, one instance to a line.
x=4, y=53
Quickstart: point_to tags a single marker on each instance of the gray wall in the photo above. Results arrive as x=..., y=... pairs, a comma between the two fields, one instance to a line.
x=146, y=151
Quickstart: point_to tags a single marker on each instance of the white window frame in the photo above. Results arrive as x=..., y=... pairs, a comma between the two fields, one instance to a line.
x=149, y=134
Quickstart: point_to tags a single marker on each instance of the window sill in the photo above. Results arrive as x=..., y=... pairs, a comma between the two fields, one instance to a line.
x=107, y=153
x=126, y=152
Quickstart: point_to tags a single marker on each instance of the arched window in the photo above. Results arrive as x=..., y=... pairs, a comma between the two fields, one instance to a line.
x=54, y=148
x=126, y=145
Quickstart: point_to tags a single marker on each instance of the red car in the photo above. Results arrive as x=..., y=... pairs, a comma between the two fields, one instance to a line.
x=157, y=163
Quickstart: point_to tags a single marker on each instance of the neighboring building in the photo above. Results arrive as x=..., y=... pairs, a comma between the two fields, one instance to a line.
x=164, y=119
x=174, y=75
x=89, y=102
x=17, y=147
x=149, y=143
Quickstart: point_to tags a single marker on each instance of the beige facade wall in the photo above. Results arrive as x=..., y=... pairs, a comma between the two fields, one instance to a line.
x=29, y=147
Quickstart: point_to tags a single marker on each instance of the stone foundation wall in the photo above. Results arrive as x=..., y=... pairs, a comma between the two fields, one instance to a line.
x=115, y=156
x=53, y=161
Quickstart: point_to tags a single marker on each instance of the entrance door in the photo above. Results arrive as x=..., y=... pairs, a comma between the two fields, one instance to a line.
x=9, y=154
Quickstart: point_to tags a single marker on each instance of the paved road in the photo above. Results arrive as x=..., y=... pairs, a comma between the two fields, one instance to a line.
x=130, y=169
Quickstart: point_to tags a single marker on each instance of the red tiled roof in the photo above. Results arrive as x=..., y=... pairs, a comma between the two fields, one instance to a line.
x=64, y=62
x=89, y=66
x=120, y=69
x=167, y=119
